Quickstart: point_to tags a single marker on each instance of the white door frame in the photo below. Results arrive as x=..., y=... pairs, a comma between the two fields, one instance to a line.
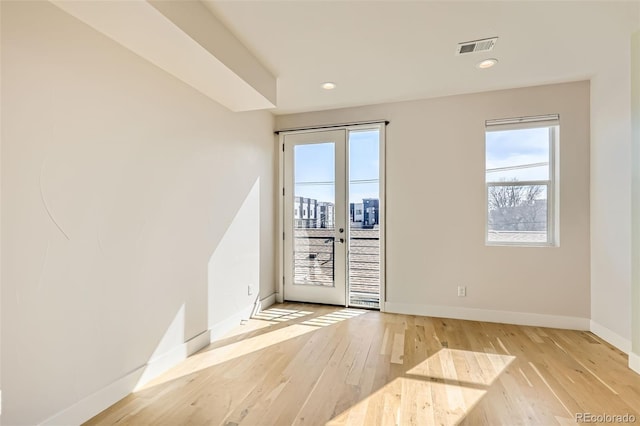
x=280, y=255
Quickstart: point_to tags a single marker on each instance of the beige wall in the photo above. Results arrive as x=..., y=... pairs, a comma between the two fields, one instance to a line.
x=611, y=196
x=135, y=212
x=635, y=121
x=436, y=208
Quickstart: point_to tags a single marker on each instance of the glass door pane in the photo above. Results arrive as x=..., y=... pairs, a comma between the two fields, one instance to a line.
x=314, y=214
x=364, y=215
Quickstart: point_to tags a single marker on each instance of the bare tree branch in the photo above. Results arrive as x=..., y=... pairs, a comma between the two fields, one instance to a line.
x=517, y=208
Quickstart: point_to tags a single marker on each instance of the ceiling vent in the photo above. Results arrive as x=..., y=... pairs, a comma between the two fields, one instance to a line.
x=484, y=45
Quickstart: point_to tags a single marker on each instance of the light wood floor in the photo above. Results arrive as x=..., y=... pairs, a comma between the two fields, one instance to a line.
x=314, y=365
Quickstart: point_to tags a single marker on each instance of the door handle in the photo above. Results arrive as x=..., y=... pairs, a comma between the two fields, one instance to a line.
x=333, y=240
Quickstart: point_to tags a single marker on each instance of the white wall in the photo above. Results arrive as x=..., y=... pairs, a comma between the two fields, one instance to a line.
x=634, y=356
x=1, y=263
x=120, y=187
x=611, y=190
x=436, y=208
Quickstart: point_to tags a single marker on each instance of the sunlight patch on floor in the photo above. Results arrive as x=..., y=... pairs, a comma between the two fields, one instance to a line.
x=264, y=319
x=407, y=401
x=477, y=368
x=334, y=317
x=218, y=355
x=212, y=357
x=443, y=390
x=280, y=315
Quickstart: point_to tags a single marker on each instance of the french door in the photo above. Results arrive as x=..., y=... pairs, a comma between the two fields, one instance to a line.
x=315, y=217
x=333, y=251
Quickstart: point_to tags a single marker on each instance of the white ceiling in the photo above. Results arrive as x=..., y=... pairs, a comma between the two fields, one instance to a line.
x=381, y=51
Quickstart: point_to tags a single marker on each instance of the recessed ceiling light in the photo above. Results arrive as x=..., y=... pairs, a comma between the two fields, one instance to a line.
x=487, y=63
x=328, y=85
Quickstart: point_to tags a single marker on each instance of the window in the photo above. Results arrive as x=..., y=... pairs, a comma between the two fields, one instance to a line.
x=520, y=180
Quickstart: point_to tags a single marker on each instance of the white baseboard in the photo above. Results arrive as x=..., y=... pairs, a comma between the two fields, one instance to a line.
x=610, y=337
x=268, y=301
x=221, y=328
x=159, y=364
x=634, y=362
x=505, y=317
x=93, y=404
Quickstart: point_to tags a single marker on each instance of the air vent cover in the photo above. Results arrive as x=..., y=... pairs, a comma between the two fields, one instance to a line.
x=484, y=45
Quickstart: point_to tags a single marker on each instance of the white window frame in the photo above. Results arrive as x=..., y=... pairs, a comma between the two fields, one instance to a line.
x=552, y=122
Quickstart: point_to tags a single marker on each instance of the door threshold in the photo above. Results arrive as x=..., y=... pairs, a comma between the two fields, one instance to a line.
x=369, y=308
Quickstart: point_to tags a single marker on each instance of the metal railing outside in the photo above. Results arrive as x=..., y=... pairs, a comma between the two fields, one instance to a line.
x=314, y=262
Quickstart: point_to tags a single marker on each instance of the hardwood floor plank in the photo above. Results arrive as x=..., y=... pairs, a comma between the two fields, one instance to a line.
x=309, y=364
x=397, y=348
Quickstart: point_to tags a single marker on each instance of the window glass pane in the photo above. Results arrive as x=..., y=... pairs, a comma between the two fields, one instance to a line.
x=517, y=213
x=517, y=155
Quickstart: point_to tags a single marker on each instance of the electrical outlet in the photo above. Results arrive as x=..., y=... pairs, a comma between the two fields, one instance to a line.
x=462, y=290
x=249, y=290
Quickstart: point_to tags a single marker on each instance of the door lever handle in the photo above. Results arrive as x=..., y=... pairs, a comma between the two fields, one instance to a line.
x=341, y=241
